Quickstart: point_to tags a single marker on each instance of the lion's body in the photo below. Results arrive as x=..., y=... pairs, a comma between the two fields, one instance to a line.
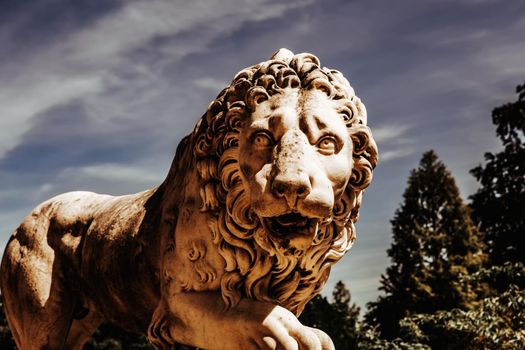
x=259, y=203
x=94, y=249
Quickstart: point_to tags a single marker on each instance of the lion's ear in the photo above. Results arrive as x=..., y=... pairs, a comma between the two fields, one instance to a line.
x=361, y=139
x=364, y=154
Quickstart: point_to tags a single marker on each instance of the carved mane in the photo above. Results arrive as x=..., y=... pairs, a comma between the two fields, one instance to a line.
x=256, y=267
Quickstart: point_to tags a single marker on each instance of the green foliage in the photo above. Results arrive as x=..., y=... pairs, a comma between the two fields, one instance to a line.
x=499, y=205
x=369, y=339
x=109, y=337
x=6, y=339
x=434, y=244
x=346, y=330
x=499, y=277
x=339, y=319
x=498, y=323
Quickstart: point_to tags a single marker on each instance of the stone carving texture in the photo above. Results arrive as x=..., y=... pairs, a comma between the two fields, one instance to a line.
x=259, y=203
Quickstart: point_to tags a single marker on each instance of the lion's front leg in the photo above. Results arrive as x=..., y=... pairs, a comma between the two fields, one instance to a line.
x=201, y=320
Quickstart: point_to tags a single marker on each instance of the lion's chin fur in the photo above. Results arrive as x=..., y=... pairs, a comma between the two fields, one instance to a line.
x=257, y=266
x=260, y=267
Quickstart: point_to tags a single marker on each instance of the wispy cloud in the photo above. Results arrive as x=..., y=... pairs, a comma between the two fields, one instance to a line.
x=209, y=83
x=96, y=99
x=393, y=141
x=388, y=155
x=17, y=108
x=387, y=133
x=89, y=61
x=115, y=172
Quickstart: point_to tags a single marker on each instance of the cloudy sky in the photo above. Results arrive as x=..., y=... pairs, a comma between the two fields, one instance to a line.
x=95, y=95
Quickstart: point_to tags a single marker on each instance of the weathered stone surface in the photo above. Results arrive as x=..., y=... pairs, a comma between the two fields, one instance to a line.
x=260, y=201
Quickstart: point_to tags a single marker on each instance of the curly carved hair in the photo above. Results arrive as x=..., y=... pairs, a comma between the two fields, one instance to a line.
x=256, y=266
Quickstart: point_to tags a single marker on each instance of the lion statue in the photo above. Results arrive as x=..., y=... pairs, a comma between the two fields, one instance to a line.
x=260, y=201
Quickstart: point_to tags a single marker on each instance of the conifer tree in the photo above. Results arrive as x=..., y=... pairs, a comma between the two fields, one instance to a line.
x=346, y=330
x=339, y=318
x=434, y=244
x=110, y=337
x=6, y=339
x=499, y=205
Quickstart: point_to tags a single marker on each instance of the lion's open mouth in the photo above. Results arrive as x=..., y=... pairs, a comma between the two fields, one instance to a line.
x=290, y=225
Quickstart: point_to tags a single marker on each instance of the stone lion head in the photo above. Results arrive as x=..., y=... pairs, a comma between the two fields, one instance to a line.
x=283, y=155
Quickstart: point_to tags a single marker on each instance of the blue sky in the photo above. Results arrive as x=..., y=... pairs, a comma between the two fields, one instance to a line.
x=95, y=95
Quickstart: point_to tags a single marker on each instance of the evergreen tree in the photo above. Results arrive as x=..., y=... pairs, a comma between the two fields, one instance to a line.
x=346, y=331
x=498, y=323
x=499, y=205
x=110, y=337
x=434, y=244
x=6, y=339
x=317, y=313
x=339, y=319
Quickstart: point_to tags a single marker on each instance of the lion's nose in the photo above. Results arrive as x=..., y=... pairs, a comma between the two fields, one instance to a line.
x=291, y=187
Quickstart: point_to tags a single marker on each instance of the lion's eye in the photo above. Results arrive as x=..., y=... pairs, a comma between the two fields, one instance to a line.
x=327, y=145
x=262, y=139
